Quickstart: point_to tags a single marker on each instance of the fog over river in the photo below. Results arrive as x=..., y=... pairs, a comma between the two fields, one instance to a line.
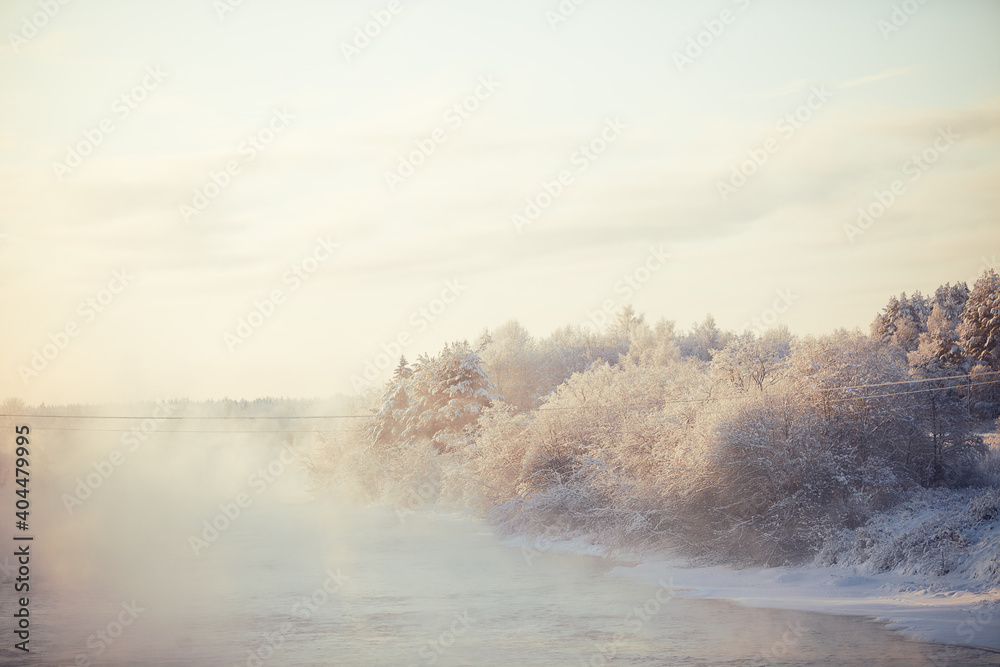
x=132, y=576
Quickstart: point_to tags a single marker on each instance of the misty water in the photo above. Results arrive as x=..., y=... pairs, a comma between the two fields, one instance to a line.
x=296, y=581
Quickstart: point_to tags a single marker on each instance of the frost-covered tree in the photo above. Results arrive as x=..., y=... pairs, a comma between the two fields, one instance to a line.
x=598, y=455
x=902, y=320
x=626, y=325
x=828, y=445
x=656, y=346
x=941, y=346
x=513, y=361
x=980, y=327
x=951, y=300
x=940, y=352
x=941, y=403
x=447, y=393
x=979, y=334
x=388, y=424
x=746, y=449
x=854, y=387
x=572, y=350
x=435, y=401
x=704, y=338
x=402, y=372
x=749, y=362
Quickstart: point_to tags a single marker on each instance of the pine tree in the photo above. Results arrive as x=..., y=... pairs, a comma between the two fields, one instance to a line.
x=952, y=299
x=403, y=371
x=979, y=335
x=387, y=425
x=902, y=321
x=980, y=328
x=436, y=400
x=940, y=350
x=703, y=339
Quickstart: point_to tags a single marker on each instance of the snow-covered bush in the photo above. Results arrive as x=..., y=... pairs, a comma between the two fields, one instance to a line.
x=600, y=455
x=806, y=458
x=936, y=533
x=719, y=446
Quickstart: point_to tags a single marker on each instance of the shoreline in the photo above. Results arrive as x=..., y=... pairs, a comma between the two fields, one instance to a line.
x=917, y=609
x=937, y=612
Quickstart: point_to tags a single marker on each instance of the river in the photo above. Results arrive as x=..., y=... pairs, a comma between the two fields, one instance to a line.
x=294, y=581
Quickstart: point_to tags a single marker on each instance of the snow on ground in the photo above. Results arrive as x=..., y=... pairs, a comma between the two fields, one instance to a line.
x=909, y=604
x=930, y=569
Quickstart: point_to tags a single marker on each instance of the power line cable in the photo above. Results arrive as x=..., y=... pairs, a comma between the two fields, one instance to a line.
x=541, y=409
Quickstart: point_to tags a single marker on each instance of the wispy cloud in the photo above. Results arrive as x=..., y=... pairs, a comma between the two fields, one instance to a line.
x=871, y=78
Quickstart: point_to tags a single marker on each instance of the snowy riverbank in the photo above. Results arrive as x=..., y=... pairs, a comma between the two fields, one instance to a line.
x=930, y=569
x=927, y=611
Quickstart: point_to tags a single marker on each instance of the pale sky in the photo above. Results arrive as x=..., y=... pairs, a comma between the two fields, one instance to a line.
x=671, y=134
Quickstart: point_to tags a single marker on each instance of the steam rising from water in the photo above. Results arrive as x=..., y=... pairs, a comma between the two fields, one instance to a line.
x=292, y=581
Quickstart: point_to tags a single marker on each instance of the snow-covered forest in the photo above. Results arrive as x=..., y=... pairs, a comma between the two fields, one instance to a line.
x=713, y=445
